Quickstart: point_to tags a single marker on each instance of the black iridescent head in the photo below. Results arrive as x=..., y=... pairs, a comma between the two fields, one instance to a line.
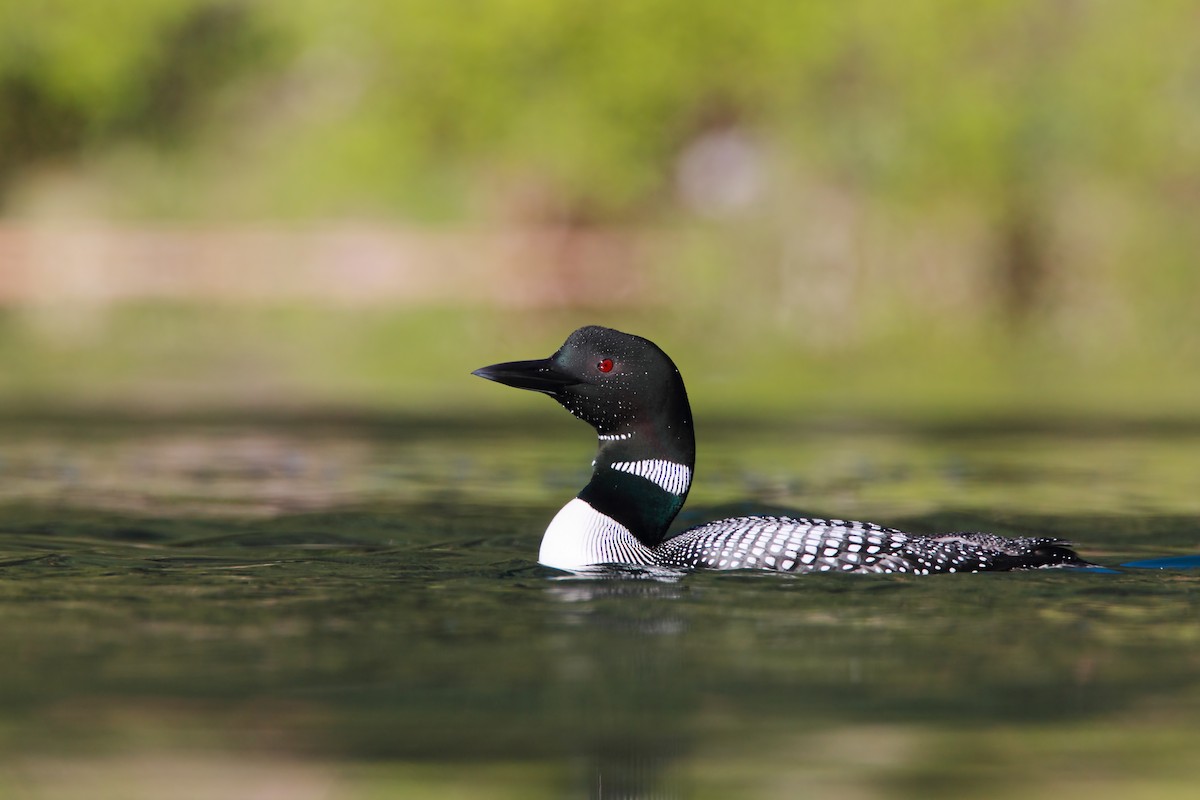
x=631, y=393
x=615, y=381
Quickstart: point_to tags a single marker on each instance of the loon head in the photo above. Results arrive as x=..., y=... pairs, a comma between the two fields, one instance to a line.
x=622, y=385
x=630, y=391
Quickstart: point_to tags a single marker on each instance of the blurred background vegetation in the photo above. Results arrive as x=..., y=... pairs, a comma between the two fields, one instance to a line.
x=927, y=207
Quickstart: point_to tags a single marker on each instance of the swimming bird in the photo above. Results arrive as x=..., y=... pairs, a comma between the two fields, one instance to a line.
x=631, y=392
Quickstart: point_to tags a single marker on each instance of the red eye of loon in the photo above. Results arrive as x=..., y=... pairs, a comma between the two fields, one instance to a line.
x=605, y=365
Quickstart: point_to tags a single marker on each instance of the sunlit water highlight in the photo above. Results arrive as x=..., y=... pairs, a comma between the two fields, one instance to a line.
x=345, y=609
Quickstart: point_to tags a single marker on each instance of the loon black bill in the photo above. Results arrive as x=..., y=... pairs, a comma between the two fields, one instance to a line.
x=538, y=375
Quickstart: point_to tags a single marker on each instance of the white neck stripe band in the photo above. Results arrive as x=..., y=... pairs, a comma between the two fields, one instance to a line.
x=672, y=477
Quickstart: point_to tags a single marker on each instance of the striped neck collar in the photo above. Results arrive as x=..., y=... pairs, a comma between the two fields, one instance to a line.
x=641, y=477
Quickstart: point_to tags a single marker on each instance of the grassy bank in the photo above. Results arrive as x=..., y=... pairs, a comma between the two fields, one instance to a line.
x=201, y=358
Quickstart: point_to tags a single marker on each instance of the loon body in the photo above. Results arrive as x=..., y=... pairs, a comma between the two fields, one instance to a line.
x=630, y=391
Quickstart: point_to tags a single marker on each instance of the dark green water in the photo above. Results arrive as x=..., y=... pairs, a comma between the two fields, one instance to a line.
x=350, y=609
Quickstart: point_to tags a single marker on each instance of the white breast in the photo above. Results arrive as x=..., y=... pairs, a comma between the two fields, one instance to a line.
x=579, y=537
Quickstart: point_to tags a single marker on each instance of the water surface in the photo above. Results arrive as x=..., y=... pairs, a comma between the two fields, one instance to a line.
x=344, y=608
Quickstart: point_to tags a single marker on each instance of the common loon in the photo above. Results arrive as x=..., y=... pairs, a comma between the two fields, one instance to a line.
x=630, y=391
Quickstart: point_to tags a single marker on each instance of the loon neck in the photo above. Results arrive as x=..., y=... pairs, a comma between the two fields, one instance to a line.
x=641, y=476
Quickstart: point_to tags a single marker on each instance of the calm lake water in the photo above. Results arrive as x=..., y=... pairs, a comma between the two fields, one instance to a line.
x=346, y=608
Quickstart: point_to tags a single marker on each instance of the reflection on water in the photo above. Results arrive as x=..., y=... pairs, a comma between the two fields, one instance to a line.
x=636, y=620
x=353, y=611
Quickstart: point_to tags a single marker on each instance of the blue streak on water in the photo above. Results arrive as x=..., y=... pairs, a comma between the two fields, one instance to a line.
x=1170, y=562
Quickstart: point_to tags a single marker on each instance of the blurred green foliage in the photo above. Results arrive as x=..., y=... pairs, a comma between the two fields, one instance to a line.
x=413, y=106
x=963, y=199
x=77, y=76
